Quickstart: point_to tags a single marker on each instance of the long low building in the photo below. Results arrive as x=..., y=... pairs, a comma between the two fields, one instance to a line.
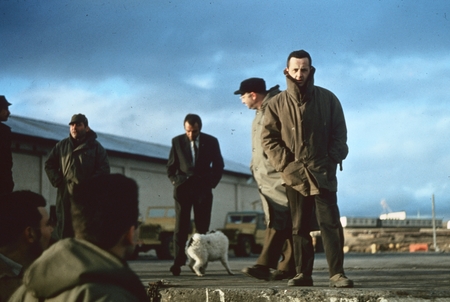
x=143, y=161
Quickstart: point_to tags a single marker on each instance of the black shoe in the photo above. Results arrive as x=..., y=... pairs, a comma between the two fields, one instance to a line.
x=257, y=271
x=176, y=270
x=340, y=281
x=280, y=275
x=301, y=280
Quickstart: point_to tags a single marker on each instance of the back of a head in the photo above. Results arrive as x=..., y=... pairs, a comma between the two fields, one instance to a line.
x=19, y=210
x=104, y=208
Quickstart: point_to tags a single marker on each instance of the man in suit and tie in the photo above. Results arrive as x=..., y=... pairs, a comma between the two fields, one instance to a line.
x=195, y=167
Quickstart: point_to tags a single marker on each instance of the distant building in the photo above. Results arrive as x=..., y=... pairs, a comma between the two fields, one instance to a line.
x=143, y=161
x=373, y=222
x=394, y=215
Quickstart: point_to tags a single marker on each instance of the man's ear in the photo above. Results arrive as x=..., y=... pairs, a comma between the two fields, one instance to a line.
x=129, y=237
x=30, y=235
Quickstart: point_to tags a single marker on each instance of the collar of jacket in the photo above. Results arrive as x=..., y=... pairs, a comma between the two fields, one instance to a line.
x=9, y=268
x=90, y=137
x=294, y=90
x=270, y=94
x=197, y=139
x=4, y=126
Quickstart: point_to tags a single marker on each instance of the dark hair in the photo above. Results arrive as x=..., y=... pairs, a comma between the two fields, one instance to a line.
x=19, y=210
x=299, y=54
x=104, y=208
x=192, y=119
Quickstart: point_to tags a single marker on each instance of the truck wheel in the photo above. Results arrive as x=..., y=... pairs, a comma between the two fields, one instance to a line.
x=166, y=250
x=244, y=247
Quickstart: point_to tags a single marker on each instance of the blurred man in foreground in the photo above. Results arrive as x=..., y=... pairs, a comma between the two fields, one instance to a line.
x=91, y=266
x=25, y=232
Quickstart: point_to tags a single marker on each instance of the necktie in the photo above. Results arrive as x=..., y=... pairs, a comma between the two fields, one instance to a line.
x=195, y=152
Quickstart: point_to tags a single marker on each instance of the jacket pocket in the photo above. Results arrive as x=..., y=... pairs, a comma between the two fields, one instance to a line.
x=294, y=173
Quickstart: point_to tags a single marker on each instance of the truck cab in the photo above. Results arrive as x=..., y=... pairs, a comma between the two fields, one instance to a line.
x=245, y=232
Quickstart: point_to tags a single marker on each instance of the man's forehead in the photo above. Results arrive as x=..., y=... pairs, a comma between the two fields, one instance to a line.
x=191, y=127
x=77, y=124
x=299, y=61
x=43, y=212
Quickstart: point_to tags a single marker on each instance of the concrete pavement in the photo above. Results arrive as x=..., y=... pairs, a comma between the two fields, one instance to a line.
x=378, y=277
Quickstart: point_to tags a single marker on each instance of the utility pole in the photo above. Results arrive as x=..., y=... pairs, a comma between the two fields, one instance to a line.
x=436, y=249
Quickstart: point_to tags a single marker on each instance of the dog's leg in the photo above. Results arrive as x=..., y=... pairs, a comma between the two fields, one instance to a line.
x=198, y=268
x=203, y=268
x=197, y=264
x=224, y=260
x=191, y=264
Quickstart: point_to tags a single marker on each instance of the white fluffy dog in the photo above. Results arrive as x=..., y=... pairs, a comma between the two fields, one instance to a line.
x=209, y=247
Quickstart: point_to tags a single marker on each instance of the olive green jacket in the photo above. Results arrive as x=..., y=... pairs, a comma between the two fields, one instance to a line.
x=67, y=165
x=270, y=184
x=305, y=136
x=77, y=270
x=10, y=279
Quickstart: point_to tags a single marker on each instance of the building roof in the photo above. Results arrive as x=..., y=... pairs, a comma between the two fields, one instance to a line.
x=56, y=132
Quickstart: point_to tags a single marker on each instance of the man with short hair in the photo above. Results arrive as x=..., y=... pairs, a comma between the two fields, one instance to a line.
x=91, y=266
x=73, y=160
x=25, y=232
x=194, y=167
x=6, y=162
x=278, y=235
x=305, y=138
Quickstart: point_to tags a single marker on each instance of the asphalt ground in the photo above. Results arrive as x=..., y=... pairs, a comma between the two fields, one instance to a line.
x=378, y=277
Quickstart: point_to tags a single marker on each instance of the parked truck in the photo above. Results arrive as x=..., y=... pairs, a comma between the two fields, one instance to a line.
x=245, y=232
x=156, y=232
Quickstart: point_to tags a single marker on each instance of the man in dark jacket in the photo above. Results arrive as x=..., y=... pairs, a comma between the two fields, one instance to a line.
x=73, y=160
x=91, y=266
x=305, y=138
x=6, y=179
x=278, y=235
x=195, y=167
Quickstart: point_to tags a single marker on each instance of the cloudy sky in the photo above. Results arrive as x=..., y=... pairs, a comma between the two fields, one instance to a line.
x=136, y=68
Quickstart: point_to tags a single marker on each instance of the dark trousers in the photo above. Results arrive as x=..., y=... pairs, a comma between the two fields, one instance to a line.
x=328, y=217
x=64, y=228
x=201, y=202
x=277, y=243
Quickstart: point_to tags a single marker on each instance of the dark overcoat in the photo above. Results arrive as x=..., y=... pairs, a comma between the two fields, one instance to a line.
x=68, y=165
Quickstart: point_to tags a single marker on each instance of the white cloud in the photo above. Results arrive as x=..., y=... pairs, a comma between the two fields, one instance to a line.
x=204, y=81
